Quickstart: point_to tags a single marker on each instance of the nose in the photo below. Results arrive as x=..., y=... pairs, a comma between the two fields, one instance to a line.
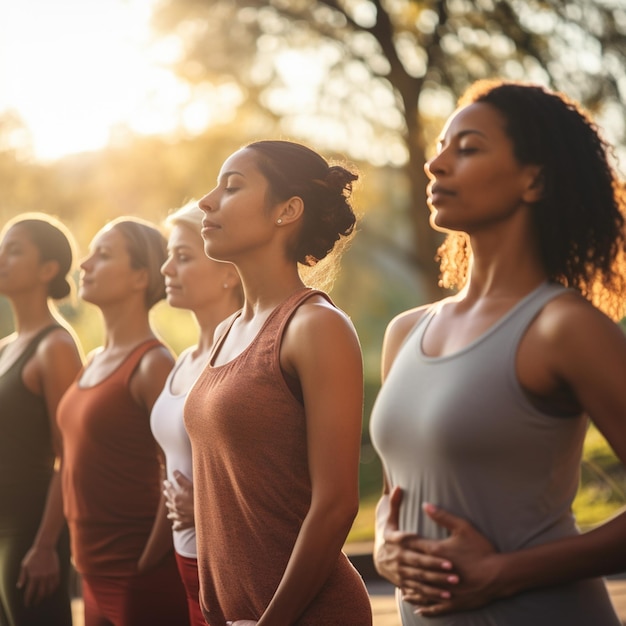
x=85, y=264
x=205, y=202
x=166, y=268
x=433, y=166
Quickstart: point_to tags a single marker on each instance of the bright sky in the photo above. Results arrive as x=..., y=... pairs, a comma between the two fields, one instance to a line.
x=75, y=69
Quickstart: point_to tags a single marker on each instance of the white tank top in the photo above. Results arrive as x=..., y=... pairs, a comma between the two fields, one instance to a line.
x=166, y=422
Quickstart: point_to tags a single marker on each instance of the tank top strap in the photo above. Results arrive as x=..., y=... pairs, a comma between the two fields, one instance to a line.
x=128, y=366
x=281, y=315
x=33, y=344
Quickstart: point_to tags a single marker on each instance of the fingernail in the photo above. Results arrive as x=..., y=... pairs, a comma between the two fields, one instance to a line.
x=418, y=611
x=445, y=594
x=453, y=579
x=446, y=565
x=428, y=507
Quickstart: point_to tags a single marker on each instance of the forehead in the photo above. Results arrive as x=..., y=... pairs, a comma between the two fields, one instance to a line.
x=243, y=162
x=477, y=118
x=110, y=237
x=17, y=232
x=184, y=235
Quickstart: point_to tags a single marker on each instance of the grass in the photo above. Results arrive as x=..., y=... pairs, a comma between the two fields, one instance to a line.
x=601, y=495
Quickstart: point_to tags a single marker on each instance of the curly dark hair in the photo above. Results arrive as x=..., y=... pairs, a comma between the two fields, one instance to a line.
x=295, y=170
x=579, y=220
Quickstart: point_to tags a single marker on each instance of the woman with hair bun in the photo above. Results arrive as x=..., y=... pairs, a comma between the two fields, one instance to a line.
x=120, y=536
x=38, y=362
x=275, y=417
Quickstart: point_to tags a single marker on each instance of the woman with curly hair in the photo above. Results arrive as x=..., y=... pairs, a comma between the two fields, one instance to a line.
x=487, y=394
x=275, y=417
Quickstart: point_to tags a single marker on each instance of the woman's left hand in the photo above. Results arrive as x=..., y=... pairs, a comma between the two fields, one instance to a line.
x=474, y=558
x=179, y=501
x=39, y=574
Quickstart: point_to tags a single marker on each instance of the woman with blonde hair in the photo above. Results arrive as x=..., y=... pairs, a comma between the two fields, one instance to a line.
x=212, y=292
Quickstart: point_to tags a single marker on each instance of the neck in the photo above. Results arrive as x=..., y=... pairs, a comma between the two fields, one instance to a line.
x=31, y=313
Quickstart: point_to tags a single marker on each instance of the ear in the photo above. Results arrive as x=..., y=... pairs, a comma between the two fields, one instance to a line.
x=231, y=276
x=534, y=190
x=141, y=280
x=291, y=211
x=49, y=270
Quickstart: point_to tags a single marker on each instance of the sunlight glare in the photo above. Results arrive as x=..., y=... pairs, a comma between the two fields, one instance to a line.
x=75, y=70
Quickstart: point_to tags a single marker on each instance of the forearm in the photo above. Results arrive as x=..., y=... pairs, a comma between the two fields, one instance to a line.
x=598, y=552
x=159, y=542
x=52, y=520
x=313, y=558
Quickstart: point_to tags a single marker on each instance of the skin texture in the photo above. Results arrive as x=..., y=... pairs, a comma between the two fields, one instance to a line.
x=118, y=290
x=243, y=226
x=24, y=280
x=210, y=290
x=477, y=186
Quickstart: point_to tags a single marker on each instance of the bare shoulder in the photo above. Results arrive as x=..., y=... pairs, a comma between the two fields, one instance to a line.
x=397, y=331
x=59, y=340
x=317, y=313
x=155, y=359
x=570, y=317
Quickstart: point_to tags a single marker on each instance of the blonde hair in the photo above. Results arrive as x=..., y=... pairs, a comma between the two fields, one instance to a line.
x=189, y=214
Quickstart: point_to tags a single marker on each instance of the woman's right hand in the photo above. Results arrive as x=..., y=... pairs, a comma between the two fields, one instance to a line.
x=179, y=501
x=398, y=558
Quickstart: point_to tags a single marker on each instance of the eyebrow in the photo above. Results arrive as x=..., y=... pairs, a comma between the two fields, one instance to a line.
x=230, y=173
x=464, y=133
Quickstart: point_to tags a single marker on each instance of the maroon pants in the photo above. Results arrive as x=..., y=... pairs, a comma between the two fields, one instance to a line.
x=188, y=569
x=154, y=598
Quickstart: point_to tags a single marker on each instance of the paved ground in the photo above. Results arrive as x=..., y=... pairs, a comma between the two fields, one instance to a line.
x=384, y=607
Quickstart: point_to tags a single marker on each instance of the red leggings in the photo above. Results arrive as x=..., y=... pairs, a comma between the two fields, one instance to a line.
x=153, y=598
x=188, y=569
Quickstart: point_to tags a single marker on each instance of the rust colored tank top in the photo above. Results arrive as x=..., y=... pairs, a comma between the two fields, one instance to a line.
x=111, y=474
x=248, y=436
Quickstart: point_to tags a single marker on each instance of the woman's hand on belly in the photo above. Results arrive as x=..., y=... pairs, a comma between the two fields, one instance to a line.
x=474, y=559
x=399, y=558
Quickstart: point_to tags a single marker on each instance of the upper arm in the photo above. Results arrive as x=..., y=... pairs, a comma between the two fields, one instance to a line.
x=322, y=348
x=395, y=334
x=58, y=364
x=149, y=378
x=587, y=351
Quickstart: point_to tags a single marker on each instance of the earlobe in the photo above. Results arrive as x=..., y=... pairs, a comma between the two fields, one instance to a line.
x=534, y=191
x=291, y=212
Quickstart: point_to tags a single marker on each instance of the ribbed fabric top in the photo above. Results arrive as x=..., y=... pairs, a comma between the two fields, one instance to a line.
x=252, y=487
x=166, y=421
x=26, y=452
x=458, y=431
x=111, y=473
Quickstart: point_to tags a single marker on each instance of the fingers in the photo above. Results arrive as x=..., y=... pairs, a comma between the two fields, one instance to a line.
x=395, y=500
x=443, y=518
x=182, y=480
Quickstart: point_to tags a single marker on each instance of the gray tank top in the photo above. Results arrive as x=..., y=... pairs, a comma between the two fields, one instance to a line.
x=458, y=431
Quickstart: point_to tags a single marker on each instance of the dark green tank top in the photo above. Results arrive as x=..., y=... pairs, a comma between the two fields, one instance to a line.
x=26, y=451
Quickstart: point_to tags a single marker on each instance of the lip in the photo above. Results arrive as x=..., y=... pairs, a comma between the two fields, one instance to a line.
x=436, y=193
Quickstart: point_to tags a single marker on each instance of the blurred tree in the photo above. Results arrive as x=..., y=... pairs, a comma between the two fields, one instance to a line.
x=375, y=78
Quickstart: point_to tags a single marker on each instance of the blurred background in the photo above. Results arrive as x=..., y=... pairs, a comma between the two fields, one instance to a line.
x=129, y=107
